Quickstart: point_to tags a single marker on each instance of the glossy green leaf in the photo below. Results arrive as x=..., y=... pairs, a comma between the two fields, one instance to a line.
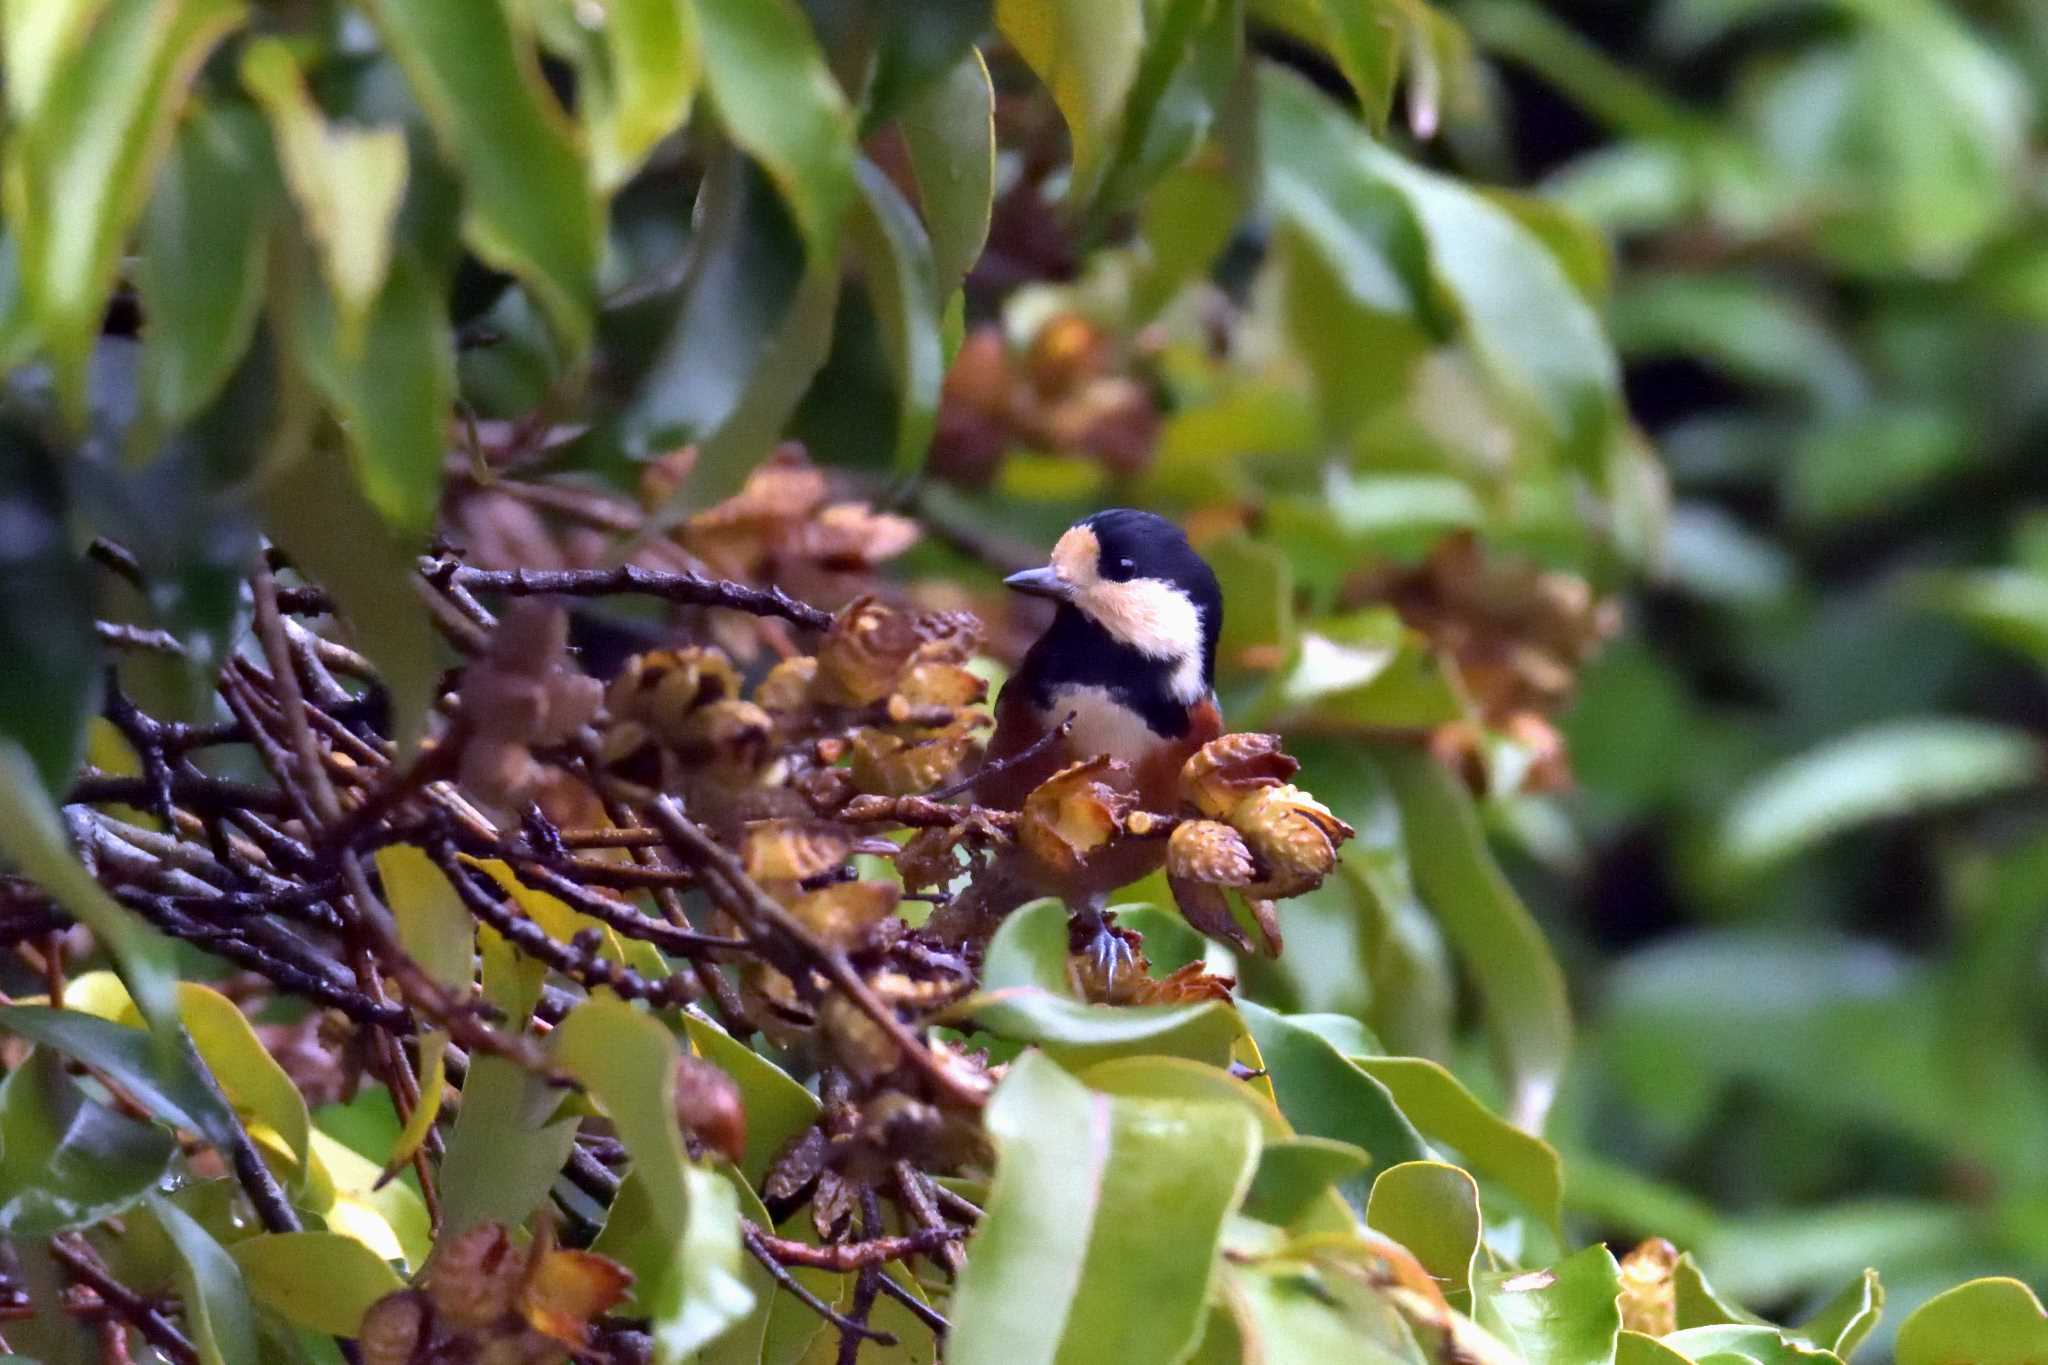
x=1520, y=985
x=1530, y=330
x=203, y=255
x=1301, y=1309
x=949, y=134
x=1190, y=59
x=777, y=1104
x=687, y=1271
x=1991, y=1321
x=653, y=63
x=1295, y=1172
x=1029, y=949
x=318, y=514
x=507, y=1147
x=1087, y=52
x=918, y=46
x=1845, y=1321
x=527, y=207
x=1438, y=1104
x=1634, y=1348
x=318, y=1280
x=1566, y=1315
x=66, y=1160
x=1885, y=771
x=1696, y=1303
x=79, y=168
x=165, y=1080
x=347, y=183
x=778, y=102
x=1363, y=36
x=1324, y=1095
x=897, y=258
x=1744, y=1341
x=1098, y=1202
x=51, y=686
x=1433, y=1210
x=1177, y=1078
x=217, y=1312
x=247, y=1074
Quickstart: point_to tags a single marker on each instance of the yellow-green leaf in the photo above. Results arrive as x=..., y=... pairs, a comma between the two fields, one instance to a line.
x=319, y=1280
x=1086, y=52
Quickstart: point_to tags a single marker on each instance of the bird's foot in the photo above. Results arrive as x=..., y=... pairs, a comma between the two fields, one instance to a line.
x=1108, y=948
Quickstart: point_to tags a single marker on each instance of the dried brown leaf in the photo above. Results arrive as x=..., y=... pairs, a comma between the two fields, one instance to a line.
x=1074, y=812
x=1224, y=771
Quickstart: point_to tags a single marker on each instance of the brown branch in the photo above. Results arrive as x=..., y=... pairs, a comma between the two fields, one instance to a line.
x=750, y=1238
x=687, y=589
x=845, y=1256
x=121, y=1301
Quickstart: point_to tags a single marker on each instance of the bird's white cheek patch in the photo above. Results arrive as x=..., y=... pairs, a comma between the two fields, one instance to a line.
x=1156, y=619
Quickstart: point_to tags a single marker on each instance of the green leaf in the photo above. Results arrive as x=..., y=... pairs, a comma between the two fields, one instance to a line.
x=1098, y=1203
x=917, y=46
x=1438, y=1104
x=247, y=1074
x=1433, y=1210
x=100, y=120
x=653, y=63
x=433, y=927
x=1990, y=1321
x=777, y=1104
x=1362, y=35
x=1087, y=52
x=318, y=1280
x=50, y=687
x=167, y=1083
x=1324, y=1095
x=1743, y=1341
x=528, y=208
x=1191, y=57
x=687, y=1272
x=1029, y=949
x=1897, y=768
x=318, y=515
x=217, y=1312
x=203, y=255
x=1294, y=1173
x=897, y=259
x=1843, y=1322
x=1520, y=986
x=1532, y=333
x=2009, y=606
x=778, y=102
x=507, y=1148
x=347, y=183
x=1316, y=1306
x=1634, y=1348
x=950, y=136
x=66, y=1160
x=1566, y=1315
x=1258, y=582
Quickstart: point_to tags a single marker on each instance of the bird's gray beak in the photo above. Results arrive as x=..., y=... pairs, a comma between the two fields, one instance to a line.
x=1040, y=582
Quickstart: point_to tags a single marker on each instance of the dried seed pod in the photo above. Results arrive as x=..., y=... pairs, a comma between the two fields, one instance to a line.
x=794, y=850
x=395, y=1328
x=633, y=753
x=1649, y=1301
x=890, y=765
x=475, y=1277
x=730, y=739
x=664, y=687
x=864, y=652
x=927, y=862
x=786, y=691
x=1074, y=812
x=1294, y=837
x=567, y=1290
x=845, y=915
x=948, y=637
x=497, y=771
x=1222, y=772
x=934, y=683
x=850, y=537
x=1206, y=907
x=833, y=1205
x=1211, y=852
x=858, y=1043
x=708, y=1105
x=572, y=703
x=797, y=1164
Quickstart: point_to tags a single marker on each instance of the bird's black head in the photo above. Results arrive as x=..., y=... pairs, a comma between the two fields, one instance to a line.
x=1133, y=577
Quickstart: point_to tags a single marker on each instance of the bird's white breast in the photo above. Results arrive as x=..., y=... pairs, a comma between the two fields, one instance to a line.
x=1102, y=725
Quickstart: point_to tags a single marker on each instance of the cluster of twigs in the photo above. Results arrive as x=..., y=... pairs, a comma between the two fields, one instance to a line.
x=278, y=878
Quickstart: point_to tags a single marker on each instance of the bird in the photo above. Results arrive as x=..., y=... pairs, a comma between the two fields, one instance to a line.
x=1127, y=669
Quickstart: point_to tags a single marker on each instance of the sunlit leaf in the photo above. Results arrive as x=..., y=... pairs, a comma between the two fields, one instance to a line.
x=1087, y=53
x=320, y=1280
x=1434, y=1100
x=1098, y=1202
x=1991, y=1321
x=1566, y=1315
x=528, y=206
x=99, y=121
x=1324, y=1095
x=1433, y=1210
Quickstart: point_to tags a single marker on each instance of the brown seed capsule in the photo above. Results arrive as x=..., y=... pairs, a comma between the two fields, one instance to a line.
x=786, y=691
x=1293, y=836
x=567, y=1290
x=1222, y=772
x=729, y=738
x=858, y=1043
x=475, y=1276
x=927, y=862
x=793, y=850
x=631, y=752
x=1206, y=907
x=833, y=1205
x=1209, y=851
x=1074, y=812
x=939, y=684
x=849, y=537
x=1649, y=1302
x=844, y=916
x=395, y=1328
x=572, y=703
x=708, y=1106
x=864, y=652
x=890, y=765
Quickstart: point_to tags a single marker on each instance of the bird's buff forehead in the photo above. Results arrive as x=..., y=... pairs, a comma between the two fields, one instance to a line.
x=1077, y=557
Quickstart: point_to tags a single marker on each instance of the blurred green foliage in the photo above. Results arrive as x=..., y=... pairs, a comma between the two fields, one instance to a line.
x=1452, y=331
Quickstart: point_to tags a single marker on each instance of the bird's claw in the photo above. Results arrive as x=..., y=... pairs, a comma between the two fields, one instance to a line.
x=1105, y=946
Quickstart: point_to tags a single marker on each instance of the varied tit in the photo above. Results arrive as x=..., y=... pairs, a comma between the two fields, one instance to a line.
x=1130, y=656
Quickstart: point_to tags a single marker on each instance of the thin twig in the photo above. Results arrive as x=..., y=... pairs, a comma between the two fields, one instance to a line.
x=751, y=1240
x=688, y=589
